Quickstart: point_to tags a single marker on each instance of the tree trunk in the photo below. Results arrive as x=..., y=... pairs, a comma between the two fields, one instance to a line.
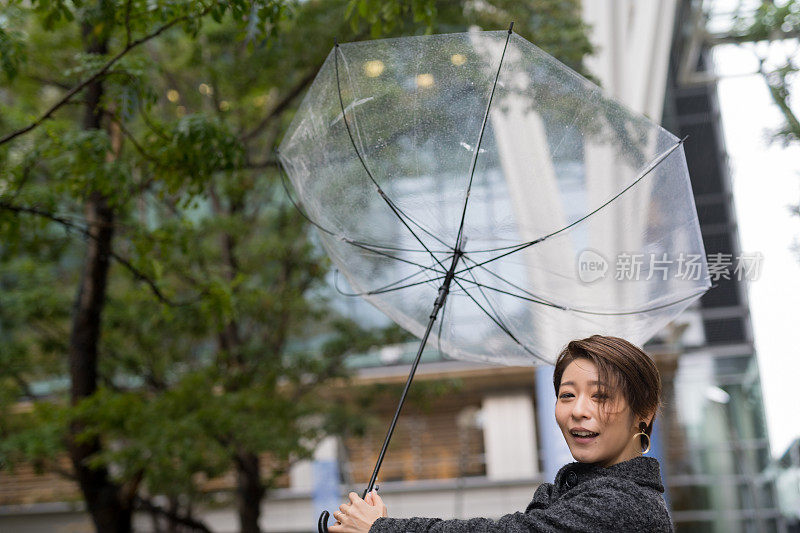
x=249, y=491
x=102, y=496
x=109, y=513
x=249, y=488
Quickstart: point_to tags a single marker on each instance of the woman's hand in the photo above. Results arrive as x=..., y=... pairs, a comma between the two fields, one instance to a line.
x=359, y=515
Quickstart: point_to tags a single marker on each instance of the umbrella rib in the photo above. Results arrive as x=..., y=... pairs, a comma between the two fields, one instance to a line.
x=498, y=276
x=499, y=323
x=429, y=279
x=389, y=287
x=480, y=289
x=391, y=140
x=582, y=311
x=416, y=283
x=396, y=210
x=368, y=245
x=345, y=239
x=474, y=161
x=390, y=256
x=517, y=247
x=654, y=308
x=503, y=291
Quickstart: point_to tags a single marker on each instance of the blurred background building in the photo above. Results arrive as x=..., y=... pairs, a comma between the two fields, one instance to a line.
x=713, y=442
x=479, y=439
x=486, y=446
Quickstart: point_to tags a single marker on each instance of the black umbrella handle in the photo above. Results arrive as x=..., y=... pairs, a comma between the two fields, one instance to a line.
x=322, y=524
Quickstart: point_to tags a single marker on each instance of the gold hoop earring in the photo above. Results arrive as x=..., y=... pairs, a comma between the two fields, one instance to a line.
x=641, y=434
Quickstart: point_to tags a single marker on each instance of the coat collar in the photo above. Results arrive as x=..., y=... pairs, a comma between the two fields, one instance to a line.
x=644, y=471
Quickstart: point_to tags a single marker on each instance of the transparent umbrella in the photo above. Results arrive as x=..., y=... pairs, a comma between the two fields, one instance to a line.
x=472, y=185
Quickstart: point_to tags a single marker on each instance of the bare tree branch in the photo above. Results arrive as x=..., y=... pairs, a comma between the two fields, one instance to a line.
x=184, y=520
x=287, y=99
x=137, y=274
x=282, y=104
x=128, y=23
x=48, y=81
x=97, y=75
x=24, y=386
x=134, y=142
x=258, y=165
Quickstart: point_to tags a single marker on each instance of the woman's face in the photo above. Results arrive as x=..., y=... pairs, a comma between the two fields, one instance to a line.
x=597, y=430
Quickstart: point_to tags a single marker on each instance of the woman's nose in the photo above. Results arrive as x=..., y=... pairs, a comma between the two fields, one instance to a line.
x=580, y=407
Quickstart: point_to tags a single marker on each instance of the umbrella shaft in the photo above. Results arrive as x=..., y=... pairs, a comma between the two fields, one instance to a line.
x=437, y=305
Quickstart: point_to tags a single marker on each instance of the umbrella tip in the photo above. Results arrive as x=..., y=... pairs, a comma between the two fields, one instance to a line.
x=684, y=139
x=510, y=27
x=336, y=42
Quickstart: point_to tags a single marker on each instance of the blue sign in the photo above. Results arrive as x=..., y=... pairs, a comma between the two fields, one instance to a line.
x=325, y=494
x=553, y=449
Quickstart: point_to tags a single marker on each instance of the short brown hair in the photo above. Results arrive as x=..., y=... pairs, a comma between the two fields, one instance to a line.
x=622, y=367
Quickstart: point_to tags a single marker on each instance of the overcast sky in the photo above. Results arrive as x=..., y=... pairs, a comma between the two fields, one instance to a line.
x=766, y=180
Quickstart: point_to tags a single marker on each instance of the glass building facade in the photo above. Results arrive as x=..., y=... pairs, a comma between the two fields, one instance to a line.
x=715, y=443
x=713, y=437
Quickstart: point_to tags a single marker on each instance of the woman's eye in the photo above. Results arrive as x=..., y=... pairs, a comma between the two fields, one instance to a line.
x=565, y=395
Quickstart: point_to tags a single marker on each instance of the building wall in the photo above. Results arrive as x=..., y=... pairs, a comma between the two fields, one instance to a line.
x=717, y=450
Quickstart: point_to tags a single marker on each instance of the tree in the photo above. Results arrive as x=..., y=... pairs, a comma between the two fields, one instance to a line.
x=770, y=22
x=184, y=285
x=76, y=161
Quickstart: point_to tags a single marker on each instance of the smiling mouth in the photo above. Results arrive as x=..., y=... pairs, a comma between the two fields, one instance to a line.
x=583, y=435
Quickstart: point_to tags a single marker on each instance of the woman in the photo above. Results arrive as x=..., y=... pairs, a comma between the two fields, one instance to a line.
x=607, y=396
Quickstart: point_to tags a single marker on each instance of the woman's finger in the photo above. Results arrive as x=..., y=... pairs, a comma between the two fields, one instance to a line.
x=376, y=499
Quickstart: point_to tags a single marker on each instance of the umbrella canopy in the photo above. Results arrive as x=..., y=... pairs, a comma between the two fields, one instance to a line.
x=558, y=212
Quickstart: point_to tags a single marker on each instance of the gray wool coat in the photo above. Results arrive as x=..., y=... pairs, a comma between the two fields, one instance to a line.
x=584, y=497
